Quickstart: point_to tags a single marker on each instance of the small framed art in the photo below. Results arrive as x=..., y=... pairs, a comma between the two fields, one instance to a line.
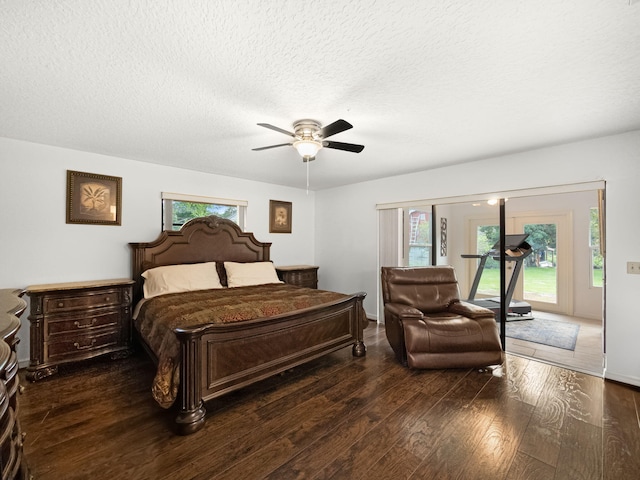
x=93, y=199
x=443, y=237
x=279, y=216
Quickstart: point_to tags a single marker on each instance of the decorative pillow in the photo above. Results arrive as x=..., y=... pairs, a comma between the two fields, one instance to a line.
x=180, y=278
x=255, y=273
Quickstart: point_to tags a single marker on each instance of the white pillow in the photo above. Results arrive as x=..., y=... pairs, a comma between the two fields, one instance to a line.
x=180, y=278
x=255, y=273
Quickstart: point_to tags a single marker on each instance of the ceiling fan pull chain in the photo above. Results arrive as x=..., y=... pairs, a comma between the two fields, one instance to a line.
x=308, y=162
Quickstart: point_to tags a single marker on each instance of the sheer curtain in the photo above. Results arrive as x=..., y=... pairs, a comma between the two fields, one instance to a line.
x=390, y=245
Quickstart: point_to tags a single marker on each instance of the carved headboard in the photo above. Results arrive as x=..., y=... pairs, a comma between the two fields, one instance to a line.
x=204, y=239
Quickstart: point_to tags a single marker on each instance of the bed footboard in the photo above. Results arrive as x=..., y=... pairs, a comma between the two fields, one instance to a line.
x=217, y=359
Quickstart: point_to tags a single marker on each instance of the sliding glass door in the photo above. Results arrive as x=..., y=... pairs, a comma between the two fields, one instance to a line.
x=561, y=279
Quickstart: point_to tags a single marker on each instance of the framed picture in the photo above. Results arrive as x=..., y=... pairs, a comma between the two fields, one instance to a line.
x=93, y=199
x=443, y=237
x=279, y=216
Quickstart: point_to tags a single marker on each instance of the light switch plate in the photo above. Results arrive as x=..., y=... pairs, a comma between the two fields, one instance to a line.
x=633, y=267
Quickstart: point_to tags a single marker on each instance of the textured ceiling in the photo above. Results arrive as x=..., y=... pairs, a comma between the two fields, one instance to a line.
x=425, y=83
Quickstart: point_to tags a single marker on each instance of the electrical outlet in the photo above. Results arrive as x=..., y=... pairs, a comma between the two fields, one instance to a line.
x=633, y=268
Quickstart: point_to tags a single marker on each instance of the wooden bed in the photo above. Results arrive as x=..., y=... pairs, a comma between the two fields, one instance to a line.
x=263, y=347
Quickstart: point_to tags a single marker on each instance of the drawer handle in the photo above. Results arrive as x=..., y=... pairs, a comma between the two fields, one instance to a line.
x=60, y=304
x=85, y=325
x=107, y=299
x=84, y=347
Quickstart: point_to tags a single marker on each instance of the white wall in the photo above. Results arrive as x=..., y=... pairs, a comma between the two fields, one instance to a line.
x=37, y=246
x=346, y=222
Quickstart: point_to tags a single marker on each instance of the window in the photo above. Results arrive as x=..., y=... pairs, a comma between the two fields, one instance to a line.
x=418, y=236
x=486, y=237
x=177, y=209
x=597, y=260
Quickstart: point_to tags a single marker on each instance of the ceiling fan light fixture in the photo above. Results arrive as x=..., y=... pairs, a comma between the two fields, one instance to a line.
x=307, y=148
x=309, y=137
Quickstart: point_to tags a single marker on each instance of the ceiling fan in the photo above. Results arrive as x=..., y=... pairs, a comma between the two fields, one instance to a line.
x=309, y=137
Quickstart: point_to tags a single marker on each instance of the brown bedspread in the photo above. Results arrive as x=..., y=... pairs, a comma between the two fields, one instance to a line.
x=159, y=316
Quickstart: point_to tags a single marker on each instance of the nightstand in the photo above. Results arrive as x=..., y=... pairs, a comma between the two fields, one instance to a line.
x=301, y=275
x=77, y=321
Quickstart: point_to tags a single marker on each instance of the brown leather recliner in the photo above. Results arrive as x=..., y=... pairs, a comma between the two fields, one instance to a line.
x=427, y=324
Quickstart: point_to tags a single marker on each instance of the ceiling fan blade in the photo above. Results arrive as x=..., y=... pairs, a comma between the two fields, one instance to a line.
x=277, y=129
x=334, y=128
x=271, y=146
x=349, y=147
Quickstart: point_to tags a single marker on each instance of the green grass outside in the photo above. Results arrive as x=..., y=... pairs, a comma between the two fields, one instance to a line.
x=539, y=280
x=597, y=277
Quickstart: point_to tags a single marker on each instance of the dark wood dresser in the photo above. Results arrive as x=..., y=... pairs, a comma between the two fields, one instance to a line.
x=301, y=275
x=12, y=464
x=76, y=321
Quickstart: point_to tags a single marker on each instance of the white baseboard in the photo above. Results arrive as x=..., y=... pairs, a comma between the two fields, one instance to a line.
x=629, y=380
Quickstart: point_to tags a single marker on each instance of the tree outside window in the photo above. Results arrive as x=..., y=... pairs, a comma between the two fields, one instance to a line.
x=181, y=212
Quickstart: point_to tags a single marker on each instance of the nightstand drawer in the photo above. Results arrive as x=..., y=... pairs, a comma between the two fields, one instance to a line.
x=66, y=303
x=79, y=324
x=79, y=344
x=304, y=277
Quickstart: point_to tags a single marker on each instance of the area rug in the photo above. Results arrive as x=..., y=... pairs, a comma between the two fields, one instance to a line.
x=546, y=332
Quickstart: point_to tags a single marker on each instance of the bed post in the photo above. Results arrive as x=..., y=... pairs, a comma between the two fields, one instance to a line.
x=359, y=349
x=191, y=415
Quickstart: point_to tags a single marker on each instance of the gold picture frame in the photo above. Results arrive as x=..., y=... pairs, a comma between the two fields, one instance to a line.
x=279, y=216
x=93, y=199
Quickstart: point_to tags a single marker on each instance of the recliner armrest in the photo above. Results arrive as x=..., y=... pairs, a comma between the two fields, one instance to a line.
x=470, y=310
x=404, y=311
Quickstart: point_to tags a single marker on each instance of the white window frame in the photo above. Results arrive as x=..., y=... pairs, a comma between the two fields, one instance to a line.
x=167, y=212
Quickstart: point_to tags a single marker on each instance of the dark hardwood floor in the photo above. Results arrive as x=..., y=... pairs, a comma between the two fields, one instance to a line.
x=339, y=417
